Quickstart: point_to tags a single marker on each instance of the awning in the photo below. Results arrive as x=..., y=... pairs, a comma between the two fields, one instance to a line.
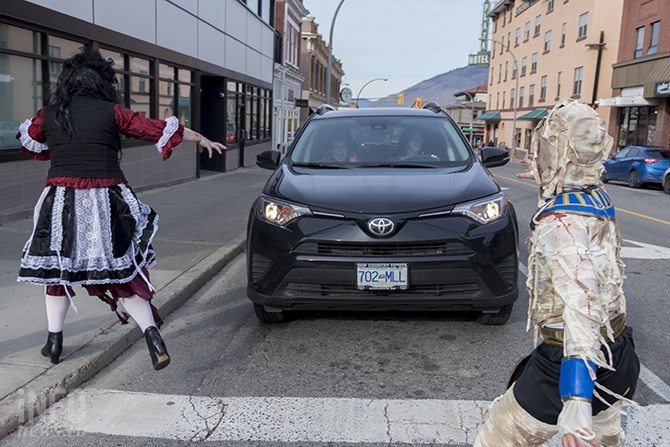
x=626, y=101
x=536, y=114
x=660, y=74
x=488, y=116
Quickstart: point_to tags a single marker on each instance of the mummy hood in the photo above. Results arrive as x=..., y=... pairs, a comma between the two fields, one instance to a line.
x=568, y=148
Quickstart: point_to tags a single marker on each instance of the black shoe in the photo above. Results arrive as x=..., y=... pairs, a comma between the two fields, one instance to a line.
x=54, y=346
x=159, y=355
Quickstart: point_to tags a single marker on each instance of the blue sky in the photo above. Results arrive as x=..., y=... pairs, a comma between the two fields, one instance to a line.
x=405, y=41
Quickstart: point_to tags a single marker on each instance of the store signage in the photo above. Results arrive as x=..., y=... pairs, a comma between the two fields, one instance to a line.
x=662, y=89
x=301, y=103
x=479, y=59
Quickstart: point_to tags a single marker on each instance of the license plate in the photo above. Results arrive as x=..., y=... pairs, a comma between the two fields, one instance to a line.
x=381, y=276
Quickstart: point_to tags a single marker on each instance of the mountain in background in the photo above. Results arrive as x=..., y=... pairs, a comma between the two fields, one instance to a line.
x=439, y=89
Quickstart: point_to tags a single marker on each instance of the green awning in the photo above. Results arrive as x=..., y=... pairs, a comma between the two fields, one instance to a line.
x=489, y=116
x=536, y=114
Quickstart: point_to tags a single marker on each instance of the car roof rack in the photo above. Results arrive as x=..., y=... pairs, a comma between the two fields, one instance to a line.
x=323, y=108
x=433, y=106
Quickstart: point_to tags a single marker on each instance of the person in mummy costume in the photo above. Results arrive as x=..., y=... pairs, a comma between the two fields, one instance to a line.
x=578, y=379
x=89, y=226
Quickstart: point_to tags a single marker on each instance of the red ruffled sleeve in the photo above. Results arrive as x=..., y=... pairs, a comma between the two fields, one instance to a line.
x=166, y=134
x=32, y=138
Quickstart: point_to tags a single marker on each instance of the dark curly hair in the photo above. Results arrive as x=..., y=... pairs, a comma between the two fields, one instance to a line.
x=86, y=73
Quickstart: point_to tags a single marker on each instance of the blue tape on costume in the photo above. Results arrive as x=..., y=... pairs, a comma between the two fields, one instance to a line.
x=575, y=380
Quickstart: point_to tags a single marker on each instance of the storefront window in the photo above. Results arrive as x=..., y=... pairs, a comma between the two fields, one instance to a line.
x=638, y=126
x=20, y=39
x=184, y=105
x=21, y=93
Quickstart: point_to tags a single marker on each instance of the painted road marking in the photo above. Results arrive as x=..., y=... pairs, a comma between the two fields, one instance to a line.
x=291, y=419
x=644, y=251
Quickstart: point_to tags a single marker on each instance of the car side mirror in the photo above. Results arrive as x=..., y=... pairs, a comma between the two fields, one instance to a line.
x=494, y=156
x=268, y=159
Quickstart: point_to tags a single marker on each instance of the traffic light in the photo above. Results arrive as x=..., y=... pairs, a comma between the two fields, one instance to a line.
x=401, y=98
x=418, y=102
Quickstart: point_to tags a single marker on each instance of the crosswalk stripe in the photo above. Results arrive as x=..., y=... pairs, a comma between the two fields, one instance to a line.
x=291, y=419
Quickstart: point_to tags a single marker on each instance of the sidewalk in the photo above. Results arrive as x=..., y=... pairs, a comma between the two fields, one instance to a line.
x=202, y=227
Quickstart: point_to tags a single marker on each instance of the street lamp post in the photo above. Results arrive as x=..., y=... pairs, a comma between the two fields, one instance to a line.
x=365, y=85
x=472, y=114
x=516, y=92
x=329, y=71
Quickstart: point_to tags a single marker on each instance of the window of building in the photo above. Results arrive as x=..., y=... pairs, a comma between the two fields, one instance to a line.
x=653, y=42
x=506, y=67
x=521, y=95
x=491, y=77
x=292, y=38
x=583, y=24
x=639, y=42
x=531, y=95
x=266, y=11
x=550, y=6
x=538, y=22
x=547, y=41
x=503, y=101
x=515, y=70
x=577, y=86
x=543, y=88
x=564, y=33
x=533, y=62
x=500, y=72
x=524, y=63
x=558, y=86
x=512, y=97
x=517, y=37
x=529, y=138
x=495, y=24
x=498, y=100
x=526, y=31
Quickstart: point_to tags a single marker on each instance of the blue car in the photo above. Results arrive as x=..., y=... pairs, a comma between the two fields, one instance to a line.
x=637, y=165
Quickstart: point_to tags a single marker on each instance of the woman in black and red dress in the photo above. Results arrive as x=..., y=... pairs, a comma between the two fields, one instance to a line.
x=89, y=226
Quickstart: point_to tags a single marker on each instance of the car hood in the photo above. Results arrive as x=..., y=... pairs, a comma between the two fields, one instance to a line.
x=381, y=190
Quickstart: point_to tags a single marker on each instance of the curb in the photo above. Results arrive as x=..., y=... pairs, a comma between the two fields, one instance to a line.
x=33, y=398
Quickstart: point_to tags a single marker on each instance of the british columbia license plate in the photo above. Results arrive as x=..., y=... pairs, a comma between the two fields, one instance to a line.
x=381, y=276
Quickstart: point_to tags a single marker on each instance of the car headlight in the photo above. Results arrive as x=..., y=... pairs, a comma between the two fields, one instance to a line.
x=484, y=210
x=279, y=212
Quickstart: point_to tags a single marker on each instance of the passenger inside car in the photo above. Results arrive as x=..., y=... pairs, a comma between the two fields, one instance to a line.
x=339, y=152
x=410, y=144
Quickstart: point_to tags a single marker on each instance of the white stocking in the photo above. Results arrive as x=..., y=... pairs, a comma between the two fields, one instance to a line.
x=57, y=307
x=140, y=310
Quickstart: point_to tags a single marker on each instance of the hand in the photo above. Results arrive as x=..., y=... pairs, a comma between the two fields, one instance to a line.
x=570, y=440
x=528, y=174
x=204, y=143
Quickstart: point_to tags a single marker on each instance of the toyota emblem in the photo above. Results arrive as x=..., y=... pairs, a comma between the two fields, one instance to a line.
x=381, y=226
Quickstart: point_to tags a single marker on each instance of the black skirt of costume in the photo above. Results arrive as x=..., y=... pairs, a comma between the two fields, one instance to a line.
x=91, y=236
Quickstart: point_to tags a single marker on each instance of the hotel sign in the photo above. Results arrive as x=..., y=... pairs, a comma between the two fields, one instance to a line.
x=479, y=59
x=662, y=89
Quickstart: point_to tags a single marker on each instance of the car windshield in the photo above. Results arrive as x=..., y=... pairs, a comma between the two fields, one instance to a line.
x=381, y=141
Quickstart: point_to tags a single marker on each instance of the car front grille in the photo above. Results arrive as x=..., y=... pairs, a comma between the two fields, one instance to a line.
x=507, y=267
x=465, y=290
x=384, y=249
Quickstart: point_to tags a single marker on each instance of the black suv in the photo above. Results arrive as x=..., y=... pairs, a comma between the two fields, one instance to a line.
x=382, y=209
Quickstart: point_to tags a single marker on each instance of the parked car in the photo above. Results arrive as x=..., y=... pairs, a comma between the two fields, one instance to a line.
x=637, y=165
x=666, y=181
x=376, y=232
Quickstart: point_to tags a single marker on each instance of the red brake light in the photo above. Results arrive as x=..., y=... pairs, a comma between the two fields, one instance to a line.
x=650, y=161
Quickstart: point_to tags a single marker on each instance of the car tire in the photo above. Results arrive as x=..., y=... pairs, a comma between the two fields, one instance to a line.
x=498, y=318
x=603, y=177
x=268, y=317
x=634, y=180
x=666, y=186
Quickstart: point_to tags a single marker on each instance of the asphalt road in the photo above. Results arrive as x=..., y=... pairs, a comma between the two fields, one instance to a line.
x=368, y=379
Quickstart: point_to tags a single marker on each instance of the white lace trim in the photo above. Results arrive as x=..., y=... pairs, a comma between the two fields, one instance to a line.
x=171, y=126
x=27, y=141
x=57, y=220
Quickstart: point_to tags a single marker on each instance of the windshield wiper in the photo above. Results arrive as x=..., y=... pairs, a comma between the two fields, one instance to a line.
x=319, y=165
x=396, y=165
